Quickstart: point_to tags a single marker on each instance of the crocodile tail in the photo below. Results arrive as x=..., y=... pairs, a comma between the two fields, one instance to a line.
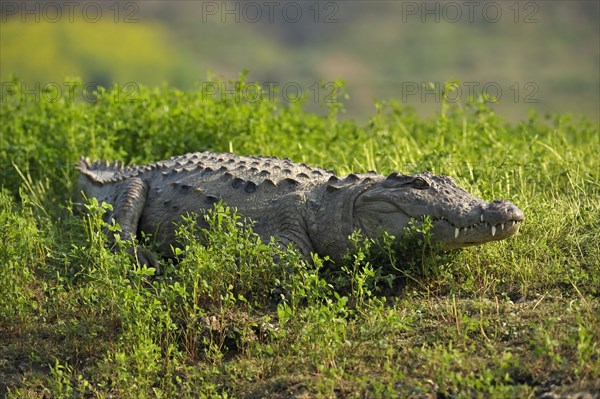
x=99, y=172
x=83, y=164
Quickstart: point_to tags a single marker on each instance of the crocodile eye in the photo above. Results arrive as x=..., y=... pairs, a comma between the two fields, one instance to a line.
x=420, y=183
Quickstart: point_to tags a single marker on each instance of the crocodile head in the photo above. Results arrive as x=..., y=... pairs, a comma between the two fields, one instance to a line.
x=459, y=218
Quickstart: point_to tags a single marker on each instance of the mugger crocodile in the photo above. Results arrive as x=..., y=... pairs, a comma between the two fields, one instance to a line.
x=295, y=203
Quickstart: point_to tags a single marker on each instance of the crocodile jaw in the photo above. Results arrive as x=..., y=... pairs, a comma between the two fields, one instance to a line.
x=475, y=234
x=496, y=221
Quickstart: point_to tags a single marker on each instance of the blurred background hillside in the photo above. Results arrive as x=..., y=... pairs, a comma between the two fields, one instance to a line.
x=531, y=54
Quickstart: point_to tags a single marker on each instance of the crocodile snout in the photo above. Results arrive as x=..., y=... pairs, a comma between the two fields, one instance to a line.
x=495, y=221
x=501, y=211
x=502, y=217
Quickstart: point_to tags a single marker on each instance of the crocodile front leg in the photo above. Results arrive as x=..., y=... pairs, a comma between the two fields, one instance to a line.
x=127, y=212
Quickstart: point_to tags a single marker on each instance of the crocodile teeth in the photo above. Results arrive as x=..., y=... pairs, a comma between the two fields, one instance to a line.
x=502, y=226
x=456, y=231
x=493, y=231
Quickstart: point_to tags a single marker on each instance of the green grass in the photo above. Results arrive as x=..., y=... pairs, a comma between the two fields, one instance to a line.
x=515, y=318
x=167, y=44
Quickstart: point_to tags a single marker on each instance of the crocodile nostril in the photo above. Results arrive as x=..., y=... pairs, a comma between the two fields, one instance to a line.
x=501, y=211
x=517, y=213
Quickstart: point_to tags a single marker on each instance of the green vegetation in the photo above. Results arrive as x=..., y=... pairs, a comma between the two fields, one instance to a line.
x=509, y=319
x=64, y=53
x=525, y=57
